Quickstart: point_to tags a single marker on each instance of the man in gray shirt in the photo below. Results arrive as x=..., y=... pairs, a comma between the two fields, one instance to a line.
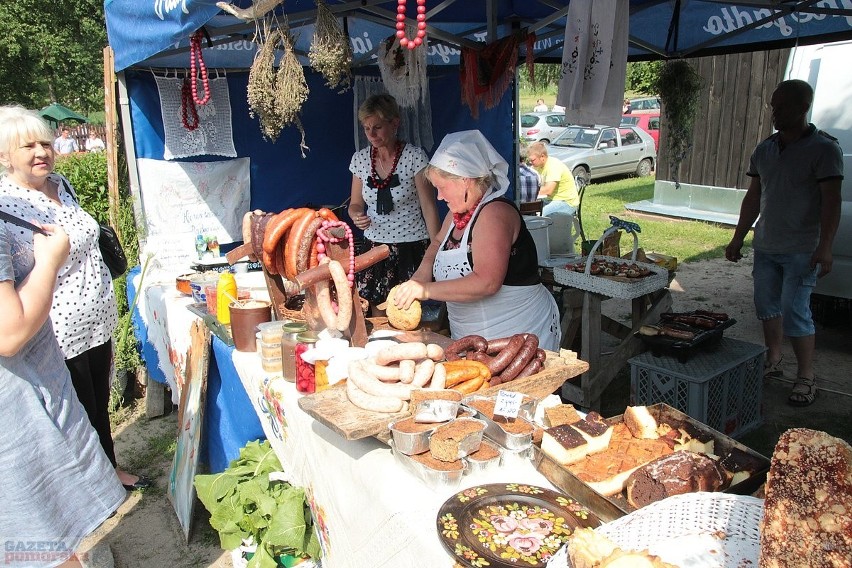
x=795, y=189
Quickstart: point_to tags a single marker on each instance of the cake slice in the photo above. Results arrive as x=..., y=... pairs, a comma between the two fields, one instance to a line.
x=596, y=431
x=560, y=414
x=607, y=472
x=740, y=465
x=564, y=444
x=640, y=422
x=694, y=440
x=456, y=439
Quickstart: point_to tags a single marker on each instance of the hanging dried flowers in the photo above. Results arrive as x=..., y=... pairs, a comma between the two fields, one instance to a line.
x=331, y=52
x=679, y=87
x=276, y=97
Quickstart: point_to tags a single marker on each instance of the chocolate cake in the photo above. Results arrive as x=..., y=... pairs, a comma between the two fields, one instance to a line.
x=674, y=474
x=739, y=465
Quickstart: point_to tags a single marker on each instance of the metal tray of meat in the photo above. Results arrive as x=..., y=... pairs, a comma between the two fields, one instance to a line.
x=683, y=349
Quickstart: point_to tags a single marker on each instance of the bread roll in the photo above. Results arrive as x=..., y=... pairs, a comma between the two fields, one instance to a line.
x=407, y=319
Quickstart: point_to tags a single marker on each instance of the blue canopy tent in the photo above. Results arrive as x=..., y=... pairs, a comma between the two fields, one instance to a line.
x=157, y=36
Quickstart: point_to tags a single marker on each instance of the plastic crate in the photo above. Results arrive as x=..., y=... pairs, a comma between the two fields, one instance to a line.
x=720, y=388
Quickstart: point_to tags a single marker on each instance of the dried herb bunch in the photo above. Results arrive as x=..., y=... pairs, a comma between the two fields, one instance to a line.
x=261, y=83
x=679, y=87
x=276, y=97
x=331, y=52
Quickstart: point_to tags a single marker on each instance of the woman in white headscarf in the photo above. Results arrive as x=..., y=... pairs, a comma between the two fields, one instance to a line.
x=483, y=261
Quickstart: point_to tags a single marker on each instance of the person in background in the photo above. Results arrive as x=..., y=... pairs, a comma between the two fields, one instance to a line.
x=94, y=143
x=626, y=109
x=65, y=144
x=528, y=179
x=57, y=484
x=83, y=309
x=794, y=195
x=540, y=106
x=558, y=189
x=483, y=262
x=391, y=200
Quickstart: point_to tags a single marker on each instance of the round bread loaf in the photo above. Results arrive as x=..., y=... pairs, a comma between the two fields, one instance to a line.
x=407, y=319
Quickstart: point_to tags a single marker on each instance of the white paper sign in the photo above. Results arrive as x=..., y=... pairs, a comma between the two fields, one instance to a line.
x=508, y=403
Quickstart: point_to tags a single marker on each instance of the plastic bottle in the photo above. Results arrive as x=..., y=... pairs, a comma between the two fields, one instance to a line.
x=226, y=291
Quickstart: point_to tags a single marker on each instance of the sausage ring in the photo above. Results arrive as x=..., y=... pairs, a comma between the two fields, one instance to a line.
x=469, y=342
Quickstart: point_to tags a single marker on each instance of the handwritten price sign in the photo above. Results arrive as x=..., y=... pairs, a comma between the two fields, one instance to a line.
x=508, y=403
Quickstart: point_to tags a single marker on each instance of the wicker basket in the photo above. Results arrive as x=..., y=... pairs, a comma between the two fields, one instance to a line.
x=694, y=529
x=624, y=288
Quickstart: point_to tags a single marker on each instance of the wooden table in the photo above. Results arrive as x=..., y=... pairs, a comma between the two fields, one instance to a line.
x=582, y=314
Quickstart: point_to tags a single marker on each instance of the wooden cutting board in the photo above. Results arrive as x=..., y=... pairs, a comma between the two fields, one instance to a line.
x=332, y=408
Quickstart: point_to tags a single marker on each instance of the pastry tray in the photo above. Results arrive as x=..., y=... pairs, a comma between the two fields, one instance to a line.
x=684, y=348
x=611, y=508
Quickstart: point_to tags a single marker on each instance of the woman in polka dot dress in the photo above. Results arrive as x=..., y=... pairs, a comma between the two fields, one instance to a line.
x=83, y=312
x=392, y=201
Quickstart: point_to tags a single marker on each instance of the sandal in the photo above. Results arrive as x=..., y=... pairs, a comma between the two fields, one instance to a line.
x=804, y=392
x=773, y=370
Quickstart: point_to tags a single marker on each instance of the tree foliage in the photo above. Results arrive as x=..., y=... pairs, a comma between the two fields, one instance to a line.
x=641, y=77
x=52, y=51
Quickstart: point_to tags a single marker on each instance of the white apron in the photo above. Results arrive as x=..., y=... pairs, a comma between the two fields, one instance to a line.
x=513, y=309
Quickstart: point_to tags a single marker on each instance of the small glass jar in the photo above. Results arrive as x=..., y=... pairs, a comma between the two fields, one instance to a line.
x=320, y=375
x=305, y=372
x=289, y=333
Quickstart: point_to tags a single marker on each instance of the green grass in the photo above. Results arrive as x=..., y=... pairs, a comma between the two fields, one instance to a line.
x=687, y=240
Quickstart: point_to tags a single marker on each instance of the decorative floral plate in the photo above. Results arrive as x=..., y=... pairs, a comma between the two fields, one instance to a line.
x=505, y=525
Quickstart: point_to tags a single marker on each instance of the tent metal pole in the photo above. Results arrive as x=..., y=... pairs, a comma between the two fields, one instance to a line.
x=130, y=151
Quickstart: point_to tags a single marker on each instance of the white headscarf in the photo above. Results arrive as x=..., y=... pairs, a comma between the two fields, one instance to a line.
x=468, y=154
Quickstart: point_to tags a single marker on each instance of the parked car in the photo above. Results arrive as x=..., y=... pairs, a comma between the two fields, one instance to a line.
x=597, y=151
x=644, y=104
x=649, y=122
x=542, y=126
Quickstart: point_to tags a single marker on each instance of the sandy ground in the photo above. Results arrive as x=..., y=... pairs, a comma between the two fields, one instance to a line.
x=145, y=532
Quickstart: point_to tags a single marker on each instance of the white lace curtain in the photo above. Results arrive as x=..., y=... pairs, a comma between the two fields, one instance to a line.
x=416, y=124
x=214, y=134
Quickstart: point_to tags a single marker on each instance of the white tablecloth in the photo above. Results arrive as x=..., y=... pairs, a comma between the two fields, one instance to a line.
x=371, y=512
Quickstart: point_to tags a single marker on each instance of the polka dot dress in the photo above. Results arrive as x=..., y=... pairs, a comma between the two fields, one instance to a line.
x=83, y=312
x=405, y=223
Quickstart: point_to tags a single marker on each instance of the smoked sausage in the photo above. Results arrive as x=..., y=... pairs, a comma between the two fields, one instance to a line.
x=294, y=239
x=303, y=256
x=455, y=349
x=525, y=354
x=507, y=355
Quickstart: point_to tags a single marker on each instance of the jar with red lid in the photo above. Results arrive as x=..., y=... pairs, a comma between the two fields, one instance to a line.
x=305, y=372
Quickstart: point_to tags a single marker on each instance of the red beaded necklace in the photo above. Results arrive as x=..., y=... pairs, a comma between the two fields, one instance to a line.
x=460, y=220
x=188, y=112
x=195, y=55
x=384, y=183
x=421, y=24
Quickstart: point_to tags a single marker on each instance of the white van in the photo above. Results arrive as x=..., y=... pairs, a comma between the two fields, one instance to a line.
x=826, y=68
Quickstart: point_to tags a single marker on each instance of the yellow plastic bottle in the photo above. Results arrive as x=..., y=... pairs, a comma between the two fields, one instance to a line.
x=226, y=290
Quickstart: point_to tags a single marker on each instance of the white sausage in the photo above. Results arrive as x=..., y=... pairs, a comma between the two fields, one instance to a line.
x=384, y=373
x=406, y=371
x=323, y=294
x=439, y=377
x=435, y=352
x=344, y=295
x=374, y=386
x=373, y=403
x=414, y=350
x=423, y=372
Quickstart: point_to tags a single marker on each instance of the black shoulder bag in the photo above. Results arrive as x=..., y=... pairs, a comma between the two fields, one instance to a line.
x=109, y=244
